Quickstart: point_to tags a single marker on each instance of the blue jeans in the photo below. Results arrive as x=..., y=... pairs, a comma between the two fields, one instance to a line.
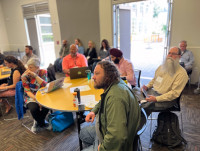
x=88, y=137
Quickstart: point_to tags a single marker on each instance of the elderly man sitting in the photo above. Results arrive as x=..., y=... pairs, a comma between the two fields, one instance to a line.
x=168, y=82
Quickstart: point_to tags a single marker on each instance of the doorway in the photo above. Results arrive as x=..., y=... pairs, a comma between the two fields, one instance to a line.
x=40, y=37
x=147, y=43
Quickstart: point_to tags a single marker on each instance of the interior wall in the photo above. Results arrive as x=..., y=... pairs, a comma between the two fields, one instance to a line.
x=105, y=20
x=3, y=36
x=14, y=22
x=185, y=26
x=79, y=19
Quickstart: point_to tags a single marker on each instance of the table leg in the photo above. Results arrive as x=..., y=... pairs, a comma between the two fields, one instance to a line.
x=78, y=118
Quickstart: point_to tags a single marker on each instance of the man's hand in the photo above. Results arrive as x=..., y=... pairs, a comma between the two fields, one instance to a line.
x=144, y=87
x=99, y=146
x=90, y=117
x=151, y=98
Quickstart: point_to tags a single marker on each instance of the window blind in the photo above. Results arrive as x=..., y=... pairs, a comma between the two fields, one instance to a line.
x=35, y=9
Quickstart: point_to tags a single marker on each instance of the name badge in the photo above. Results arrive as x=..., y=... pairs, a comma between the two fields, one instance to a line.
x=159, y=79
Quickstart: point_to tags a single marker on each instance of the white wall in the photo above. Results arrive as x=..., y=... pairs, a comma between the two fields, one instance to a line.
x=105, y=20
x=14, y=22
x=186, y=26
x=3, y=36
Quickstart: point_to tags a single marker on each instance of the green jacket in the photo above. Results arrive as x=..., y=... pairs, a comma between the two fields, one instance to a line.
x=119, y=117
x=64, y=50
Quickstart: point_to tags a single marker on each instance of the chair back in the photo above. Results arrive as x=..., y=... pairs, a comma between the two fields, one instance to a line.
x=137, y=73
x=143, y=124
x=51, y=73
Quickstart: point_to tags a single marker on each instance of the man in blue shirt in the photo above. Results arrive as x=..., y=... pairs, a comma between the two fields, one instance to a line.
x=186, y=57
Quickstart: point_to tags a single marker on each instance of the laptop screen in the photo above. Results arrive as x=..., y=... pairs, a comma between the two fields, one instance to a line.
x=76, y=73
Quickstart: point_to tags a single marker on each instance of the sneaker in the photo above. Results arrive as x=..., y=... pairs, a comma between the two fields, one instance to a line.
x=48, y=126
x=197, y=91
x=34, y=127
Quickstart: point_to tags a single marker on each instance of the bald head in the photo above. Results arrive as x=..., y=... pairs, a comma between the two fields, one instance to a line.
x=73, y=50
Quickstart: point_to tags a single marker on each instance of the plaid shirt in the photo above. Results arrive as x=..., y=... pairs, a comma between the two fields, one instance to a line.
x=31, y=85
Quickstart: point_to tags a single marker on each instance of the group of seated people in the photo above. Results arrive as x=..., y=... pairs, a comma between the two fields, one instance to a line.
x=33, y=78
x=90, y=53
x=118, y=113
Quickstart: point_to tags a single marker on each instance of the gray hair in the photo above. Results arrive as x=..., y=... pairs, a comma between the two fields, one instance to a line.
x=34, y=61
x=183, y=41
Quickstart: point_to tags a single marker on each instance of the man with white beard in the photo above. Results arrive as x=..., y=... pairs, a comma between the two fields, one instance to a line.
x=168, y=83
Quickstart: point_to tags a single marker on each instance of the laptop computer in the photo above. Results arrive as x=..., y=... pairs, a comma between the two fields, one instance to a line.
x=54, y=85
x=76, y=73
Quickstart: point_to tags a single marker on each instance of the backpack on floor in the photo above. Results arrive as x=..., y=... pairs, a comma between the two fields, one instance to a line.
x=168, y=132
x=61, y=120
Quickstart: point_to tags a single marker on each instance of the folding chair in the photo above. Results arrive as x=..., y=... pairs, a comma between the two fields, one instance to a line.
x=137, y=146
x=137, y=73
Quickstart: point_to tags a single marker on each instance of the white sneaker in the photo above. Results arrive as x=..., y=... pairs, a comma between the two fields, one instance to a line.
x=197, y=91
x=34, y=127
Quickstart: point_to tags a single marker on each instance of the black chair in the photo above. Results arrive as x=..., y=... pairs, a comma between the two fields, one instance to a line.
x=51, y=73
x=137, y=146
x=137, y=73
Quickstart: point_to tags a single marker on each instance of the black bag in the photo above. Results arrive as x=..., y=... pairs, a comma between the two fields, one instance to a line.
x=168, y=132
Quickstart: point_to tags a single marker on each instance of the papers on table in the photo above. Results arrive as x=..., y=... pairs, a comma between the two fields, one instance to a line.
x=88, y=101
x=66, y=85
x=81, y=88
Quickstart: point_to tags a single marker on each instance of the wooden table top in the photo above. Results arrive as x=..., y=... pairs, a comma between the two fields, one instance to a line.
x=62, y=99
x=6, y=75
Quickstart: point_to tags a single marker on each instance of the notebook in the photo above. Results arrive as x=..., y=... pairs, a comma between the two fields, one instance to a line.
x=54, y=85
x=144, y=92
x=76, y=73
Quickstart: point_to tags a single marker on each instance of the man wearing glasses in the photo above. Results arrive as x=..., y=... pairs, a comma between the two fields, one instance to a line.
x=169, y=80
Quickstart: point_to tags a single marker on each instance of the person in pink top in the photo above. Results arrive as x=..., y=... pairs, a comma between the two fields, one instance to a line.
x=124, y=66
x=73, y=60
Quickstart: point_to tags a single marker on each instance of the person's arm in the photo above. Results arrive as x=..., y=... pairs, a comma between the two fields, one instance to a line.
x=177, y=88
x=129, y=72
x=116, y=130
x=26, y=86
x=150, y=84
x=191, y=60
x=65, y=66
x=61, y=51
x=96, y=107
x=16, y=78
x=84, y=62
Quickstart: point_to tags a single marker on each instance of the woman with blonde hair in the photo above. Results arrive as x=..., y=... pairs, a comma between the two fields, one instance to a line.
x=90, y=53
x=79, y=45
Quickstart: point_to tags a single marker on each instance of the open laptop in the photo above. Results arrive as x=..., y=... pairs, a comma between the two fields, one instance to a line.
x=54, y=85
x=76, y=73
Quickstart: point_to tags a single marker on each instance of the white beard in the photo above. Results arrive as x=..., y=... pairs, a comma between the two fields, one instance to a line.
x=170, y=66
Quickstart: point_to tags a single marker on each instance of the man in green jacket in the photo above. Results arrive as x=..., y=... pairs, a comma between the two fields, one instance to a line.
x=117, y=113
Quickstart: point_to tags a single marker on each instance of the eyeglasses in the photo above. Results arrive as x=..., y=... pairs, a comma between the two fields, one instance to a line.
x=172, y=53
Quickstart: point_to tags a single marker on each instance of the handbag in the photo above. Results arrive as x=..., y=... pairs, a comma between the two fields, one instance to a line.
x=61, y=120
